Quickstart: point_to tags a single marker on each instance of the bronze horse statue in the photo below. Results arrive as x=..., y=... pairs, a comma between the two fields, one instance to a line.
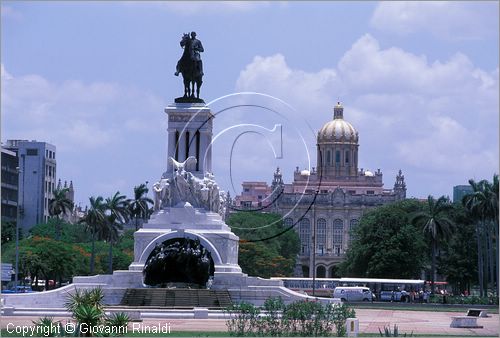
x=191, y=66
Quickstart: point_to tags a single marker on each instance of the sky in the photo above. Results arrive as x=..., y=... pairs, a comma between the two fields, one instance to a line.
x=418, y=81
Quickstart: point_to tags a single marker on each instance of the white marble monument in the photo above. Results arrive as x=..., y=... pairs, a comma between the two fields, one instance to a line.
x=188, y=204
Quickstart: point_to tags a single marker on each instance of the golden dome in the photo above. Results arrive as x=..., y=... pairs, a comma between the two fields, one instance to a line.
x=338, y=130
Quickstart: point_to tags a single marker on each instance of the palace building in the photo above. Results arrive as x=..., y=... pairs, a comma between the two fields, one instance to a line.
x=324, y=204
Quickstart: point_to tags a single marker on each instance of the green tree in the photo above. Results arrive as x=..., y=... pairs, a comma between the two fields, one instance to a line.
x=436, y=225
x=482, y=204
x=117, y=213
x=9, y=231
x=59, y=205
x=94, y=219
x=55, y=260
x=69, y=233
x=139, y=206
x=459, y=259
x=386, y=244
x=266, y=249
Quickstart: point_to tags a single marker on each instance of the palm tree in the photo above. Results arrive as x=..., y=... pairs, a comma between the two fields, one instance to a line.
x=493, y=200
x=139, y=206
x=59, y=205
x=94, y=219
x=435, y=223
x=482, y=204
x=116, y=213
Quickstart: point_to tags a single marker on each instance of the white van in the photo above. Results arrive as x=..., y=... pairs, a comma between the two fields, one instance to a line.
x=353, y=293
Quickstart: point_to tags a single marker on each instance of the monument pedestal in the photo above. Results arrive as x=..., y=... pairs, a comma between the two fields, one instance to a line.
x=193, y=223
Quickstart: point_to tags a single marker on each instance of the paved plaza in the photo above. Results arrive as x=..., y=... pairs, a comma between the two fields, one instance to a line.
x=420, y=322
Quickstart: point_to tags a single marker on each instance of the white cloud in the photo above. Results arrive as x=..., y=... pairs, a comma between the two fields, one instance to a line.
x=434, y=118
x=451, y=20
x=93, y=125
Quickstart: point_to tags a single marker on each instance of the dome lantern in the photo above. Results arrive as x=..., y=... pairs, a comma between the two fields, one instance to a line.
x=338, y=111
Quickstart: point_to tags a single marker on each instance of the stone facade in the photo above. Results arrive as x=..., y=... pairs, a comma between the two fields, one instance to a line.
x=324, y=204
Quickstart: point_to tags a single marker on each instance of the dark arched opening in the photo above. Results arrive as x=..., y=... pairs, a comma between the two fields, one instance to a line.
x=334, y=272
x=320, y=272
x=305, y=271
x=180, y=262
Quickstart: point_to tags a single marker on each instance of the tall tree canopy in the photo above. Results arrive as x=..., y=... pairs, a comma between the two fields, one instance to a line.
x=265, y=248
x=59, y=205
x=386, y=244
x=435, y=223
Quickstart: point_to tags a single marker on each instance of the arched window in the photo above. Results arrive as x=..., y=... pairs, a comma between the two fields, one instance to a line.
x=321, y=236
x=337, y=157
x=305, y=235
x=328, y=157
x=320, y=272
x=338, y=231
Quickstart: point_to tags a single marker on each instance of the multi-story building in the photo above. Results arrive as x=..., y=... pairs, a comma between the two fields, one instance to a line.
x=459, y=191
x=37, y=179
x=10, y=185
x=254, y=195
x=324, y=204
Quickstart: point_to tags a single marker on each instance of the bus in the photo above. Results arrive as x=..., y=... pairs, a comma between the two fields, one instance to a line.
x=384, y=289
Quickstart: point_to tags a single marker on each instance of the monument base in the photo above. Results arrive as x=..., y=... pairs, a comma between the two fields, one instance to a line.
x=170, y=223
x=188, y=99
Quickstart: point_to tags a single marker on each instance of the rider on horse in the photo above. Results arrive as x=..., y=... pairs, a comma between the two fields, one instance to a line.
x=195, y=47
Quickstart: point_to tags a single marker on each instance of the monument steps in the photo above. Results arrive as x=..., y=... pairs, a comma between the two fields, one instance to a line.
x=176, y=298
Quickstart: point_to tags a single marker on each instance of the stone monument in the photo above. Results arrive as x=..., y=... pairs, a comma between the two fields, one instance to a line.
x=188, y=223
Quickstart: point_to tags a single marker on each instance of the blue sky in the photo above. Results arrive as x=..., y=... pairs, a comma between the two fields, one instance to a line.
x=418, y=80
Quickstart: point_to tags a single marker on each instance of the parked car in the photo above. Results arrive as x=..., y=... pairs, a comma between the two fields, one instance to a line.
x=394, y=296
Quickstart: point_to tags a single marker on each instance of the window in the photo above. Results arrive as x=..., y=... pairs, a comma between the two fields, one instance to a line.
x=352, y=225
x=259, y=197
x=338, y=231
x=321, y=236
x=370, y=192
x=32, y=152
x=288, y=222
x=328, y=157
x=347, y=157
x=337, y=156
x=246, y=190
x=305, y=235
x=246, y=204
x=352, y=192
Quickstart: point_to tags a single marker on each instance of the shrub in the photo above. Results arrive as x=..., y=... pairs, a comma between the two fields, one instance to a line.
x=387, y=332
x=88, y=311
x=306, y=319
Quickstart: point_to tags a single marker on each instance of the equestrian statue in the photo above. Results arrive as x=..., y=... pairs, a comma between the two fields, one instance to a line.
x=191, y=67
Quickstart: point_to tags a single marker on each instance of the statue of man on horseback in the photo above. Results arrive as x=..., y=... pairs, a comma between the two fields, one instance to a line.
x=191, y=67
